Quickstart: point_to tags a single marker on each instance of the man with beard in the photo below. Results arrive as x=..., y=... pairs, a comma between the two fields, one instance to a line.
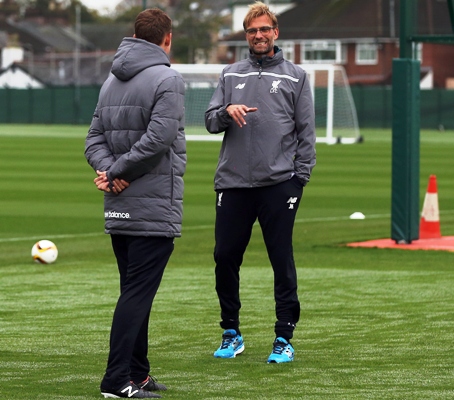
x=265, y=107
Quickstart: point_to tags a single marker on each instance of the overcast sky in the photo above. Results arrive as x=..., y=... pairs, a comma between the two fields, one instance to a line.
x=101, y=5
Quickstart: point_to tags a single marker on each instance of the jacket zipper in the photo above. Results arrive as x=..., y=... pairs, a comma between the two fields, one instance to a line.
x=250, y=169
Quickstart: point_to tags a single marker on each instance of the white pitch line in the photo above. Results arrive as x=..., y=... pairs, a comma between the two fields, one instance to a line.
x=189, y=228
x=327, y=219
x=200, y=227
x=204, y=138
x=29, y=238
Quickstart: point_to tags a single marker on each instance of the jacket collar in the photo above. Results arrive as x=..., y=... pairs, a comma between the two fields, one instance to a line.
x=266, y=61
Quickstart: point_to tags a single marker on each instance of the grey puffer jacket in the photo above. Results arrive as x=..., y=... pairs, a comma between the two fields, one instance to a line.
x=137, y=134
x=278, y=140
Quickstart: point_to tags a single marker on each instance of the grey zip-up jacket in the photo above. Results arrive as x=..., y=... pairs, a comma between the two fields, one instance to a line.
x=278, y=140
x=137, y=134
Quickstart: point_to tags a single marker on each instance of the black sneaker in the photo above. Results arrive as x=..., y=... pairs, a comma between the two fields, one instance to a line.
x=151, y=384
x=129, y=391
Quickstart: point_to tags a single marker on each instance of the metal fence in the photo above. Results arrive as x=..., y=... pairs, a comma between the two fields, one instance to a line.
x=75, y=105
x=374, y=107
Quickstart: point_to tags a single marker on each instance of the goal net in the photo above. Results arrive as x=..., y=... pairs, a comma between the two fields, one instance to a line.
x=335, y=111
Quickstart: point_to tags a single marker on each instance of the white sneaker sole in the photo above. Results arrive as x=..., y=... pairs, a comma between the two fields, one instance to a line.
x=110, y=396
x=239, y=350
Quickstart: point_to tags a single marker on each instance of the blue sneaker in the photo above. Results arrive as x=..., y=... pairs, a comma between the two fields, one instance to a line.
x=282, y=351
x=232, y=344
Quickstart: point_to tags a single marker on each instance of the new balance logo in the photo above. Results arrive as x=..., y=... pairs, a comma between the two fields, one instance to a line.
x=291, y=202
x=130, y=390
x=274, y=86
x=114, y=214
x=240, y=86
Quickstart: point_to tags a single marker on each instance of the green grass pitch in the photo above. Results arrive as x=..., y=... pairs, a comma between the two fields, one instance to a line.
x=375, y=324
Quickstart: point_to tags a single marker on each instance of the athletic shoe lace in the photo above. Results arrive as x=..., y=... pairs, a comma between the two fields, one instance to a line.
x=227, y=340
x=278, y=348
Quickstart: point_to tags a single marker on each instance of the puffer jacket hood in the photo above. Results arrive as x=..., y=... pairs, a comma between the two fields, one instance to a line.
x=134, y=55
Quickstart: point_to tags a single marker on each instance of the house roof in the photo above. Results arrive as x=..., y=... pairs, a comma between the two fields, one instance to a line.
x=334, y=19
x=354, y=19
x=15, y=76
x=41, y=38
x=59, y=38
x=26, y=38
x=94, y=68
x=107, y=37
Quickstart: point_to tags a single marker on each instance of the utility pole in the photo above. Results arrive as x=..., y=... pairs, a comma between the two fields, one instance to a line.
x=144, y=4
x=77, y=65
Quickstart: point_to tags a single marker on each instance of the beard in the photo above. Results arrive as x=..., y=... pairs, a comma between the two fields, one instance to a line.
x=261, y=50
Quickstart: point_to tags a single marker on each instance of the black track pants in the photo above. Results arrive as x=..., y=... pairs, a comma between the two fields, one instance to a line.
x=141, y=263
x=275, y=208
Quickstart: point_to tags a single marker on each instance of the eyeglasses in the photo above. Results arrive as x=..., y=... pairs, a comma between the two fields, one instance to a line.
x=264, y=29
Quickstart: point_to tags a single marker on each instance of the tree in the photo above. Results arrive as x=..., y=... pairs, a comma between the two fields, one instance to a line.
x=9, y=7
x=86, y=15
x=52, y=8
x=195, y=26
x=128, y=15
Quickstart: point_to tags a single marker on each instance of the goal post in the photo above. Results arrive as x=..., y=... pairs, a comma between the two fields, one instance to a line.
x=335, y=112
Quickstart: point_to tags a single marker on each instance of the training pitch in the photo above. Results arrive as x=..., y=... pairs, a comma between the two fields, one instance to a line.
x=375, y=323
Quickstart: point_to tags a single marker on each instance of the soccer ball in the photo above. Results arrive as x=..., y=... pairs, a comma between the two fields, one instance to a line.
x=44, y=252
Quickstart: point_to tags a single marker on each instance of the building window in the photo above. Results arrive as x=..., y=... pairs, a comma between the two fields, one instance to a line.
x=288, y=48
x=366, y=53
x=321, y=51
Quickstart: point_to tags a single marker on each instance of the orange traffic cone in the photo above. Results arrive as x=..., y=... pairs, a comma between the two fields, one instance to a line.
x=429, y=227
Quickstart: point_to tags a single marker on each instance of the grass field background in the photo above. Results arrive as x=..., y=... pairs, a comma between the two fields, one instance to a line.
x=375, y=324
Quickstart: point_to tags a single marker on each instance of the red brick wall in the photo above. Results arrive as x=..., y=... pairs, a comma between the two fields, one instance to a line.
x=379, y=73
x=441, y=59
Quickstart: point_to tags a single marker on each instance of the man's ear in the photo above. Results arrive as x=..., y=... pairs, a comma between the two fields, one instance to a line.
x=168, y=39
x=167, y=42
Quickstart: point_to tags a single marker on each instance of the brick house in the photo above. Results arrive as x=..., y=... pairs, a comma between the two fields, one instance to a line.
x=360, y=35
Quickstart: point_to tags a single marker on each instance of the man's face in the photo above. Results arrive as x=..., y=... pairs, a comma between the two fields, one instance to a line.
x=261, y=43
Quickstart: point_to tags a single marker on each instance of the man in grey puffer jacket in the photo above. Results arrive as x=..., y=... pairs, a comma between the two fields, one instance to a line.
x=136, y=144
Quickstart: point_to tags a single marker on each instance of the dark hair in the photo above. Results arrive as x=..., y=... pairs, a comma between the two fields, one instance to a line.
x=152, y=25
x=256, y=10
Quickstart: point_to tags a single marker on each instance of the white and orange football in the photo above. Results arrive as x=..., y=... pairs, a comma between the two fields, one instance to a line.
x=44, y=252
